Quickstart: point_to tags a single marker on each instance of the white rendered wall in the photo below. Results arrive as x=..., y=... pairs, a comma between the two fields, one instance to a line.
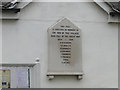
x=0, y=37
x=26, y=39
x=0, y=40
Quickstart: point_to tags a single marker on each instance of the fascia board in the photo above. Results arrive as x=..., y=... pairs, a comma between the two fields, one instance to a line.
x=103, y=5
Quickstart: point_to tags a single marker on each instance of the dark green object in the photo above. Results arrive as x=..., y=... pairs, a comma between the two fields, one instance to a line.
x=28, y=78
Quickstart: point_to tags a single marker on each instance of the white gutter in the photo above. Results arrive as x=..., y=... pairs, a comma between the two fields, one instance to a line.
x=103, y=5
x=11, y=14
x=108, y=9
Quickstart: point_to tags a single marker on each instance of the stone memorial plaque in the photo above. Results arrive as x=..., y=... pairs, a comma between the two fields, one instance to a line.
x=64, y=49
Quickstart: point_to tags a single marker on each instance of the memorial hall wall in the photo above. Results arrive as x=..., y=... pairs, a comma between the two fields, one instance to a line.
x=26, y=39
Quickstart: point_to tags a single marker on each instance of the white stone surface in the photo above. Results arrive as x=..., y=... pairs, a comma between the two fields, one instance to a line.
x=26, y=39
x=0, y=38
x=57, y=63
